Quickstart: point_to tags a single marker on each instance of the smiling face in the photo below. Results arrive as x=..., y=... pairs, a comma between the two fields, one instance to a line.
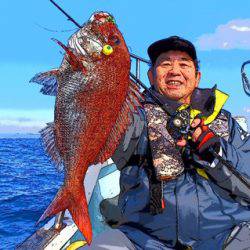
x=174, y=75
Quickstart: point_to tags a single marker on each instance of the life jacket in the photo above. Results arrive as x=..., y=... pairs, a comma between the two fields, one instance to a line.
x=205, y=102
x=134, y=148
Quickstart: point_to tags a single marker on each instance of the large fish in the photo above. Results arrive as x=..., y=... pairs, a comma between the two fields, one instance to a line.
x=94, y=102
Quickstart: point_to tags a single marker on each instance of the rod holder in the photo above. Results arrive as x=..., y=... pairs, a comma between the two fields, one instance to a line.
x=59, y=220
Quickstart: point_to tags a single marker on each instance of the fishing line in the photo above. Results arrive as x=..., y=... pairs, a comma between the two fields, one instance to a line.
x=54, y=31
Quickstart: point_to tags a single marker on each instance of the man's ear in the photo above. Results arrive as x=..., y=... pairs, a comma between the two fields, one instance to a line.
x=151, y=76
x=198, y=78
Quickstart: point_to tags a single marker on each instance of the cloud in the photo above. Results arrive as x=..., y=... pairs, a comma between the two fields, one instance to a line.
x=240, y=28
x=232, y=35
x=21, y=123
x=14, y=129
x=246, y=109
x=24, y=121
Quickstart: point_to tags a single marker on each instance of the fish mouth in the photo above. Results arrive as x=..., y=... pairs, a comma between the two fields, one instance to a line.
x=101, y=17
x=86, y=43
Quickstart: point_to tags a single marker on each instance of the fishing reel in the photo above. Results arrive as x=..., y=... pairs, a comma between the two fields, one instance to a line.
x=179, y=128
x=179, y=124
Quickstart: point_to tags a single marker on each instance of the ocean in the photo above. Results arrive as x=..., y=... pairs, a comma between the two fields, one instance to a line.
x=28, y=183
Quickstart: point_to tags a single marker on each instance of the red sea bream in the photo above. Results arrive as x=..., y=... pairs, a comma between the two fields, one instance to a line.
x=94, y=102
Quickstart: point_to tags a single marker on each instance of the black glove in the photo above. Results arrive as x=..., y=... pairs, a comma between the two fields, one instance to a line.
x=199, y=153
x=205, y=143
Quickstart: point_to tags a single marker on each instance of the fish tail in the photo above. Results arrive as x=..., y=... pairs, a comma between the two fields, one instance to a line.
x=78, y=208
x=76, y=203
x=59, y=203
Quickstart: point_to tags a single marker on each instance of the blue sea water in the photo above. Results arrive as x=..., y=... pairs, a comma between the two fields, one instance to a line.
x=28, y=183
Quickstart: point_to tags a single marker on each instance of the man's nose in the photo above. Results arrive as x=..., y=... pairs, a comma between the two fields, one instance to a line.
x=175, y=69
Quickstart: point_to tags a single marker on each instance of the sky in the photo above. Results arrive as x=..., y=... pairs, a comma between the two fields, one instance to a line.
x=220, y=31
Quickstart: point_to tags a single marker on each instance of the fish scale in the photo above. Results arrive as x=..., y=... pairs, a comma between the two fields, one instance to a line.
x=95, y=99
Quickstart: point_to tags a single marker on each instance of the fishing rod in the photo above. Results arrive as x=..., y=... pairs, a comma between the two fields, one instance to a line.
x=66, y=14
x=156, y=98
x=245, y=81
x=138, y=59
x=230, y=167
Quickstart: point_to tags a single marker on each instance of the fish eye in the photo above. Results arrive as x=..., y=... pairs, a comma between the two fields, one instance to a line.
x=115, y=40
x=107, y=50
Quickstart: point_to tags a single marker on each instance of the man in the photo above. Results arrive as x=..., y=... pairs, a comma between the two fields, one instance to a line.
x=179, y=192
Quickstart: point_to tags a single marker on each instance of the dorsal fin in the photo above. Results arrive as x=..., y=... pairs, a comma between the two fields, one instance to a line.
x=125, y=117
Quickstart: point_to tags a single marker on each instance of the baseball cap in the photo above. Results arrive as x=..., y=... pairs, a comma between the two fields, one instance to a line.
x=172, y=43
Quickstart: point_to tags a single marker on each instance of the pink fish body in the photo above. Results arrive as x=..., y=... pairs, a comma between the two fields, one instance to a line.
x=94, y=101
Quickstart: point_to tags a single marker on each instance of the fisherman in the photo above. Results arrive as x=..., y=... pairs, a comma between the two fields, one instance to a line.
x=180, y=193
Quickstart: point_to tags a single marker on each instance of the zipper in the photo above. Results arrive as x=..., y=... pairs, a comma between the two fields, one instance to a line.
x=177, y=216
x=163, y=205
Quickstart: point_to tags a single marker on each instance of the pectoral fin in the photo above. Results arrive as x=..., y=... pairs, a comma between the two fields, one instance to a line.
x=48, y=138
x=48, y=80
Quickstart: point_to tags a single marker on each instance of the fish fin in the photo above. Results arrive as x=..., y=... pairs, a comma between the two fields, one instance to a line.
x=79, y=211
x=59, y=204
x=124, y=119
x=75, y=202
x=72, y=59
x=136, y=90
x=48, y=80
x=48, y=138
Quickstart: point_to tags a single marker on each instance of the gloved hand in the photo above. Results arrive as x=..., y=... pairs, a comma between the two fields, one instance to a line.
x=202, y=142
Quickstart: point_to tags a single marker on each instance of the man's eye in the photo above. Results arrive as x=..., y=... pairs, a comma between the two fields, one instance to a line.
x=184, y=65
x=166, y=64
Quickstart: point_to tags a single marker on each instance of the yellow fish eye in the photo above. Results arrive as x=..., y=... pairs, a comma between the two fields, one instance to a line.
x=107, y=50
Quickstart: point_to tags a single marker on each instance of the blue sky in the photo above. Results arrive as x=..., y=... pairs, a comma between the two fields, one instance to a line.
x=219, y=29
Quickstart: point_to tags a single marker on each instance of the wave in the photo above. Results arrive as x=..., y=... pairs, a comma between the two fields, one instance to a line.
x=29, y=182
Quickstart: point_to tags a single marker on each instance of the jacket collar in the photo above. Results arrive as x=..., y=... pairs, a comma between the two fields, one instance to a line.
x=207, y=100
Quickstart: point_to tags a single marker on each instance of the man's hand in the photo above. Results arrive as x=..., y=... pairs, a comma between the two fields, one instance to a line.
x=202, y=140
x=196, y=134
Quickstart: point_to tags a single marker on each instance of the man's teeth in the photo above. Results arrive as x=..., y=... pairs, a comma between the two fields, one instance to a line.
x=174, y=83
